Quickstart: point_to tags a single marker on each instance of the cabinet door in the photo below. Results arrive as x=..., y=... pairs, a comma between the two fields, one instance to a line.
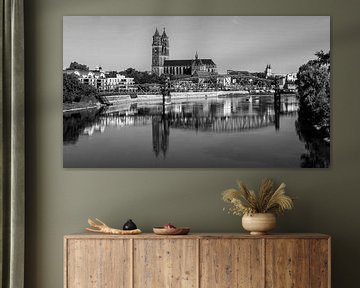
x=231, y=263
x=289, y=263
x=166, y=263
x=320, y=263
x=98, y=263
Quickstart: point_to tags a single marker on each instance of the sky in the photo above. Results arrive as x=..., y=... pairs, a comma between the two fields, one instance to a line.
x=233, y=42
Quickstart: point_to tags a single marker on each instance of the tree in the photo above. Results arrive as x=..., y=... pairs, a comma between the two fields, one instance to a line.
x=323, y=58
x=142, y=77
x=111, y=74
x=75, y=91
x=259, y=74
x=77, y=66
x=70, y=84
x=313, y=124
x=313, y=83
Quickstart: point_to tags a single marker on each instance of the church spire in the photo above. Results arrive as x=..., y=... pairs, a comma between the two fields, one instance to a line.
x=156, y=33
x=164, y=34
x=196, y=56
x=156, y=38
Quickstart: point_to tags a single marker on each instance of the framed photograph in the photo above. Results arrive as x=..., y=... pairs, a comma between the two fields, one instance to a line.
x=196, y=91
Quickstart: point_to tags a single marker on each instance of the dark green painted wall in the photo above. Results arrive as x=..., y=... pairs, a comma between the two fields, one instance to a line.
x=60, y=200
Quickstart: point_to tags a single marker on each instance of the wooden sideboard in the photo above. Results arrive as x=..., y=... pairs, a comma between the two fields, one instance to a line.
x=197, y=260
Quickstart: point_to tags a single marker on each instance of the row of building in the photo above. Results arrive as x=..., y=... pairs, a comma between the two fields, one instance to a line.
x=103, y=81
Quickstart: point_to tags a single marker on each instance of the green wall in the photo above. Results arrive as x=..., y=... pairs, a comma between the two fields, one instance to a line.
x=60, y=200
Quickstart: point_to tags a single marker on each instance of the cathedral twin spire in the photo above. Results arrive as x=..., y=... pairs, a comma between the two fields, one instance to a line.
x=160, y=51
x=157, y=39
x=161, y=40
x=157, y=34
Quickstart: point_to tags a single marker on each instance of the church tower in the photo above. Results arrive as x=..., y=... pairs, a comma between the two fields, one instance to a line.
x=156, y=53
x=268, y=71
x=165, y=45
x=160, y=52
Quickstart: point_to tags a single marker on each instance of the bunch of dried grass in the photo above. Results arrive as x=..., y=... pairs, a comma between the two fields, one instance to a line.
x=245, y=201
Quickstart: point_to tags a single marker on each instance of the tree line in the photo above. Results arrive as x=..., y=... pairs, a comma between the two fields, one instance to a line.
x=143, y=77
x=313, y=124
x=313, y=83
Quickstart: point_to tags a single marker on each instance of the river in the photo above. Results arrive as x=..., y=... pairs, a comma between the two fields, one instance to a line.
x=204, y=133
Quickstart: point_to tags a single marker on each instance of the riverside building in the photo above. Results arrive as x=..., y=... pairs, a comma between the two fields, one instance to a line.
x=103, y=81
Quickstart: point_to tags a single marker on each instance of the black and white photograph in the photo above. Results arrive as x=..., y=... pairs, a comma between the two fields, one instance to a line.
x=196, y=92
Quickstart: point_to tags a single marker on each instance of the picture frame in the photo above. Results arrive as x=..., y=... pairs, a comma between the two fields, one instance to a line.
x=196, y=92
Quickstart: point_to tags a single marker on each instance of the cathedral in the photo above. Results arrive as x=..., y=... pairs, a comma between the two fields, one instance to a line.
x=161, y=64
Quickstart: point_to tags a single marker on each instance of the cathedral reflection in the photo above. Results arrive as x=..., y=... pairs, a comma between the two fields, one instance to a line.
x=160, y=134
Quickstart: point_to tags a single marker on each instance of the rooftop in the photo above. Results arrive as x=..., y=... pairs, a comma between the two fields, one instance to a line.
x=187, y=62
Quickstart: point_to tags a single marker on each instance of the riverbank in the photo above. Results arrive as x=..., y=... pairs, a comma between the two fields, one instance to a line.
x=152, y=98
x=119, y=99
x=78, y=106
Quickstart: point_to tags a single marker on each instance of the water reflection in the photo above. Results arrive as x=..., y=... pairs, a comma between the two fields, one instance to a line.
x=160, y=134
x=317, y=144
x=215, y=116
x=78, y=123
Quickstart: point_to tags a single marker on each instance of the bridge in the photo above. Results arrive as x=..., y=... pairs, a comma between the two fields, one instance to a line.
x=245, y=82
